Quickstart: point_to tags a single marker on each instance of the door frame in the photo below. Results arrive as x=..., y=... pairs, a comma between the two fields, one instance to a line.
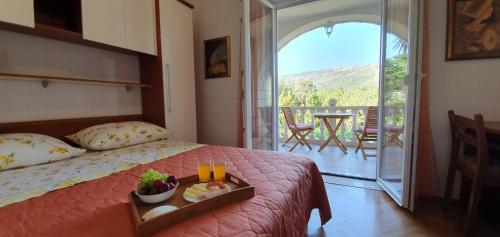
x=247, y=77
x=406, y=200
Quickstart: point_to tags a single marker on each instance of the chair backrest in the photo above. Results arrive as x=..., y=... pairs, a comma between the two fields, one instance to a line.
x=289, y=117
x=466, y=131
x=371, y=118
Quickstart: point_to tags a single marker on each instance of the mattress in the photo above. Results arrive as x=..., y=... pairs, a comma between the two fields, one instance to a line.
x=287, y=188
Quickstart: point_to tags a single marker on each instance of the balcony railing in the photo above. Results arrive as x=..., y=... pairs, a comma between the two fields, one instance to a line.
x=346, y=133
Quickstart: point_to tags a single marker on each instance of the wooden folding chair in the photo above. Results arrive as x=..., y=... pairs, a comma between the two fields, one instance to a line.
x=392, y=133
x=299, y=131
x=368, y=132
x=479, y=168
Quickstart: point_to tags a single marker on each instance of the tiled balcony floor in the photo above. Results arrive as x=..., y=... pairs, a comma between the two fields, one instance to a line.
x=332, y=160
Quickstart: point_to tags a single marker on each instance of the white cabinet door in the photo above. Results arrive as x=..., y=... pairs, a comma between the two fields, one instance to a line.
x=140, y=26
x=104, y=21
x=20, y=12
x=178, y=59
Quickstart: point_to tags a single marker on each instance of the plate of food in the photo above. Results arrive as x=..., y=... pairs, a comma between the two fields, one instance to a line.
x=155, y=187
x=202, y=191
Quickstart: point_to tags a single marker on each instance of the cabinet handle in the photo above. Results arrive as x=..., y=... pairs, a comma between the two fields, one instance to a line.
x=169, y=97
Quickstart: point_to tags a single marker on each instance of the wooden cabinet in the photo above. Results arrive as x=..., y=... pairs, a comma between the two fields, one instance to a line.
x=140, y=26
x=19, y=12
x=127, y=24
x=176, y=23
x=104, y=21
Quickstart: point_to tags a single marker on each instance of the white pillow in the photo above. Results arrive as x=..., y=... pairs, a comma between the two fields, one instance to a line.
x=117, y=135
x=27, y=149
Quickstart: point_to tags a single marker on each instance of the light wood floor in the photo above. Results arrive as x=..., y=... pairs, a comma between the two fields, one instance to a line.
x=361, y=212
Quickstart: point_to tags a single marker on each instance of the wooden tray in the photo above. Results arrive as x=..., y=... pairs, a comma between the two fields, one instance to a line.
x=186, y=210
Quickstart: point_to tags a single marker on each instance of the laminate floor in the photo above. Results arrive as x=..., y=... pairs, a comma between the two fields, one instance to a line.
x=362, y=212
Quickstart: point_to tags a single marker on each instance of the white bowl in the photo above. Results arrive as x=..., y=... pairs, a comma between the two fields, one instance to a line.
x=157, y=197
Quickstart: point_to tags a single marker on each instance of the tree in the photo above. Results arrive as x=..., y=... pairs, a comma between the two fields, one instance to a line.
x=396, y=75
x=302, y=92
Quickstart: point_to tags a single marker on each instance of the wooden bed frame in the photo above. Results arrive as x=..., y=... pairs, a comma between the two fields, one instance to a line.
x=63, y=127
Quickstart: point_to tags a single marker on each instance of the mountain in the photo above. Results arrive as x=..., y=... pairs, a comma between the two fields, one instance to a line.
x=339, y=77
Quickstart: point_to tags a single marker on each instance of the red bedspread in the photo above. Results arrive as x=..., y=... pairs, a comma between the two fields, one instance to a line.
x=287, y=188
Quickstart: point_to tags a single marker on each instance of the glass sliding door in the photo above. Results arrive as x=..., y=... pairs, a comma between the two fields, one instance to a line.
x=260, y=75
x=398, y=87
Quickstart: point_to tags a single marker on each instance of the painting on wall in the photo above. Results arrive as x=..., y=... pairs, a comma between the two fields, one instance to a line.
x=473, y=29
x=218, y=58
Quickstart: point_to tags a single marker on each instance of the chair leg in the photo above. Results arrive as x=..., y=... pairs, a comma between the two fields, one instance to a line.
x=294, y=135
x=303, y=139
x=394, y=139
x=360, y=143
x=450, y=180
x=290, y=138
x=475, y=197
x=465, y=191
x=362, y=148
x=298, y=138
x=293, y=147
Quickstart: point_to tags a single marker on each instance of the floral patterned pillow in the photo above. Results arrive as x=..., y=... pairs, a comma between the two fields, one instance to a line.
x=117, y=135
x=27, y=149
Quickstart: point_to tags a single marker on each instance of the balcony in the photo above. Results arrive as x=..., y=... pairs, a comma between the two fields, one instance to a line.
x=331, y=159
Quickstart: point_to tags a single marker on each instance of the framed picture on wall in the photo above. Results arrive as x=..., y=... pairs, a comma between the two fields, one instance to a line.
x=218, y=58
x=473, y=29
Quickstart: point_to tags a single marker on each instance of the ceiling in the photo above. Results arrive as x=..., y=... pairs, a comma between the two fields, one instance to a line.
x=288, y=3
x=293, y=21
x=329, y=8
x=298, y=19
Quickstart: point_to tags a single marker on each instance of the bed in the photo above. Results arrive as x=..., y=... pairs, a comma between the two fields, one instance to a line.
x=287, y=188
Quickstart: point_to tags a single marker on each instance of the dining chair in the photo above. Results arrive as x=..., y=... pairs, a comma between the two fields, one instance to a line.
x=299, y=131
x=477, y=167
x=368, y=132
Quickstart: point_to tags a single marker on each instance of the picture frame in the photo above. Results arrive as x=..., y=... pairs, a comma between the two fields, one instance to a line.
x=473, y=29
x=217, y=57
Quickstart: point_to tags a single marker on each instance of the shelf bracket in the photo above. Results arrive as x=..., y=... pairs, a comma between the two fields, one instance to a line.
x=128, y=88
x=45, y=83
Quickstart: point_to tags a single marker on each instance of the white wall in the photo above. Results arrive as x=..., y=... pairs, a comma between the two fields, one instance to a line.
x=468, y=87
x=217, y=99
x=28, y=101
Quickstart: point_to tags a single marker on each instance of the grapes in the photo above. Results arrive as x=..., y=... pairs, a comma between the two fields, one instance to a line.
x=149, y=177
x=171, y=179
x=153, y=182
x=158, y=183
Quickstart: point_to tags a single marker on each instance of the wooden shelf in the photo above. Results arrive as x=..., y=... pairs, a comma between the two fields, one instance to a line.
x=45, y=79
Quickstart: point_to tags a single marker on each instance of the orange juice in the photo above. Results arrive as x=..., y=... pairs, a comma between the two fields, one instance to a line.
x=204, y=172
x=219, y=171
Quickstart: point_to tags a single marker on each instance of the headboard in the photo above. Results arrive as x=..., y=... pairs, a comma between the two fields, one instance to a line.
x=63, y=127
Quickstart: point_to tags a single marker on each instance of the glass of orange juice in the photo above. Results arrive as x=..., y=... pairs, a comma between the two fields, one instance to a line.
x=219, y=171
x=204, y=171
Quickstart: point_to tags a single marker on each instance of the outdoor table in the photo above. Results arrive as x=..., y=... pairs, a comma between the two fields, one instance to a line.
x=333, y=131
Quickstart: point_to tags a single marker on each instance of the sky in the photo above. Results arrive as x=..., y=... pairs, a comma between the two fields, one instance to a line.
x=349, y=44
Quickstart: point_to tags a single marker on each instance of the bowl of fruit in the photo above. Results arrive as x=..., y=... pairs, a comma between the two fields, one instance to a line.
x=155, y=187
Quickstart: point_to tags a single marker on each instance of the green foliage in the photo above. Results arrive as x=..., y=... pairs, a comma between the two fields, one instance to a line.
x=303, y=92
x=396, y=74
